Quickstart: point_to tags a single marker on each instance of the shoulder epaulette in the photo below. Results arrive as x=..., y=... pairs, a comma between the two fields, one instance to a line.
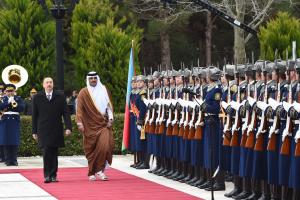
x=143, y=92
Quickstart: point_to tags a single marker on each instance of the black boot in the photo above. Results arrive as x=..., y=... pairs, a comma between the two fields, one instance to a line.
x=173, y=168
x=286, y=193
x=266, y=195
x=144, y=160
x=202, y=178
x=237, y=187
x=275, y=192
x=162, y=166
x=205, y=185
x=158, y=165
x=135, y=162
x=179, y=172
x=189, y=174
x=219, y=184
x=196, y=175
x=296, y=194
x=246, y=190
x=256, y=190
x=167, y=167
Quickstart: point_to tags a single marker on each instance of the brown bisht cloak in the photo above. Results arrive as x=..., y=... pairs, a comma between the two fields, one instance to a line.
x=98, y=140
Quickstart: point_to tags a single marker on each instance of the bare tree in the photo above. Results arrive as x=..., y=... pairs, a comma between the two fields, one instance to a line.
x=251, y=12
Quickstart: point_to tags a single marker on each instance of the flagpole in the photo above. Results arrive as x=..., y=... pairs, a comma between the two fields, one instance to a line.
x=126, y=128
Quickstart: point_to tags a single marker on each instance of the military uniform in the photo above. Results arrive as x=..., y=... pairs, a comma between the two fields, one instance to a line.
x=12, y=106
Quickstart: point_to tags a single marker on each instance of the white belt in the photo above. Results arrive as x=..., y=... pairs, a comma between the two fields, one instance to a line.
x=11, y=113
x=210, y=114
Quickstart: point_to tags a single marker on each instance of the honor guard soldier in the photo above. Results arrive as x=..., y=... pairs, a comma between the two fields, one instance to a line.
x=2, y=94
x=260, y=167
x=140, y=116
x=133, y=128
x=277, y=123
x=286, y=137
x=152, y=122
x=294, y=113
x=229, y=88
x=211, y=109
x=12, y=105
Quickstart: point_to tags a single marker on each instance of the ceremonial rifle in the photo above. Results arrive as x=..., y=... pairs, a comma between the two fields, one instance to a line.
x=247, y=118
x=264, y=122
x=187, y=113
x=226, y=129
x=183, y=111
x=250, y=131
x=200, y=121
x=168, y=124
x=159, y=102
x=191, y=133
x=235, y=129
x=287, y=132
x=276, y=123
x=147, y=125
x=162, y=117
x=175, y=130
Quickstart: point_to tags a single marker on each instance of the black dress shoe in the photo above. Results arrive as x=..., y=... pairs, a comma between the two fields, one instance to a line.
x=234, y=192
x=162, y=173
x=154, y=170
x=175, y=174
x=133, y=165
x=138, y=164
x=47, y=180
x=159, y=171
x=242, y=195
x=188, y=178
x=180, y=177
x=12, y=163
x=217, y=187
x=143, y=166
x=254, y=196
x=265, y=197
x=199, y=182
x=207, y=184
x=193, y=180
x=169, y=173
x=54, y=179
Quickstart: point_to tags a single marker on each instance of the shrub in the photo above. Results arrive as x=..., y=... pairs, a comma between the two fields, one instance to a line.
x=28, y=147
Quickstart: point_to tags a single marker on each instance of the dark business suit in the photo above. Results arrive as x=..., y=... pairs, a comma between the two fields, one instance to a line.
x=47, y=124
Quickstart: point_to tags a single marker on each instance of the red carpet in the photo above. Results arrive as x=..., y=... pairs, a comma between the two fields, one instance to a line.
x=73, y=184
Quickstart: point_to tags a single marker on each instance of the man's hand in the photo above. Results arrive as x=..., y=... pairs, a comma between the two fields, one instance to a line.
x=110, y=123
x=35, y=137
x=68, y=132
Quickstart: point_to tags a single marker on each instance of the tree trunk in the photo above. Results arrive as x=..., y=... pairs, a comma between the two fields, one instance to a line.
x=239, y=35
x=208, y=37
x=165, y=50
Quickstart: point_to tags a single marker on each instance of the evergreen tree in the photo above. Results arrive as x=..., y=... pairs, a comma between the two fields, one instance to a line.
x=101, y=41
x=27, y=39
x=279, y=34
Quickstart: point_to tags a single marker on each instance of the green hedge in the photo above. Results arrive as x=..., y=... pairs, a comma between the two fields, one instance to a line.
x=29, y=147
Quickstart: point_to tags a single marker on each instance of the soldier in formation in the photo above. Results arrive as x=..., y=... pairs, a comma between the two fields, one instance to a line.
x=202, y=126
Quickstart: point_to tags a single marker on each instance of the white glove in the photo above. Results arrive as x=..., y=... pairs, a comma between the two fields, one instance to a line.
x=139, y=127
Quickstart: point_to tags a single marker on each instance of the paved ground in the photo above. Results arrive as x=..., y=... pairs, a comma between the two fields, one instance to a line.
x=16, y=186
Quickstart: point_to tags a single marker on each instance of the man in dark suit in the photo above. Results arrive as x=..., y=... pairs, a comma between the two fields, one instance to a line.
x=48, y=108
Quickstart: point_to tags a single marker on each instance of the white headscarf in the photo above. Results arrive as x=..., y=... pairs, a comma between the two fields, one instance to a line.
x=98, y=93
